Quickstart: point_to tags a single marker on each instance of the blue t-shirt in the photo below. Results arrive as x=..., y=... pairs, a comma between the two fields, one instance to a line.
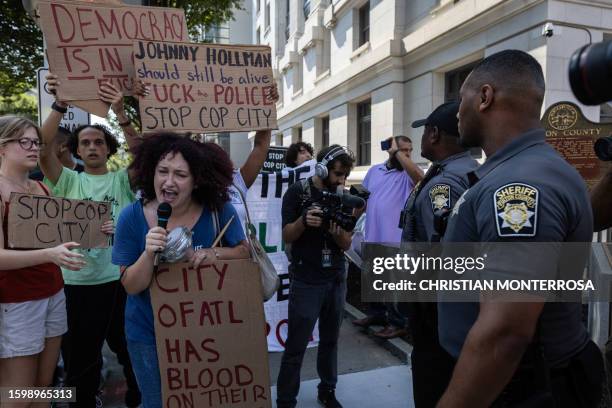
x=130, y=236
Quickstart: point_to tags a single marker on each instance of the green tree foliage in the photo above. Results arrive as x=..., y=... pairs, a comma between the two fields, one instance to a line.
x=21, y=47
x=202, y=13
x=21, y=52
x=23, y=104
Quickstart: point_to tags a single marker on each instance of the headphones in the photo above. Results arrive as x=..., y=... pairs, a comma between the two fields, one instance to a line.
x=321, y=168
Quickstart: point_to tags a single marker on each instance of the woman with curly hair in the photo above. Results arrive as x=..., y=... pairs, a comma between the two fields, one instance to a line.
x=193, y=178
x=32, y=301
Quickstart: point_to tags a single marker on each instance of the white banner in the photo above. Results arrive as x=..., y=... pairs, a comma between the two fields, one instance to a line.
x=265, y=199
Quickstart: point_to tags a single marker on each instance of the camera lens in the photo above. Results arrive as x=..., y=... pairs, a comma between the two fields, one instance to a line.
x=590, y=73
x=603, y=148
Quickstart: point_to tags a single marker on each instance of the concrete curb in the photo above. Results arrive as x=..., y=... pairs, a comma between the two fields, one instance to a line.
x=398, y=347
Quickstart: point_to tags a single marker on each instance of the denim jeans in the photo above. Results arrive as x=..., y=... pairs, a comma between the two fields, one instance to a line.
x=307, y=303
x=146, y=368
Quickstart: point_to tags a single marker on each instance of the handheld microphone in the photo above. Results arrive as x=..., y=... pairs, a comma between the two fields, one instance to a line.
x=164, y=211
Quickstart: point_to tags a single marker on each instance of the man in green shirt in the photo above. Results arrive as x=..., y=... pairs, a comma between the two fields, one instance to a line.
x=95, y=299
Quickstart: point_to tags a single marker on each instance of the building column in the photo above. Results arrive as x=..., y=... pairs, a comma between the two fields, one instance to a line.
x=287, y=137
x=308, y=131
x=339, y=125
x=387, y=118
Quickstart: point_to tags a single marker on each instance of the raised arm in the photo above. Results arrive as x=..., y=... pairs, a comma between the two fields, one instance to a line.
x=256, y=159
x=50, y=164
x=250, y=169
x=108, y=93
x=413, y=170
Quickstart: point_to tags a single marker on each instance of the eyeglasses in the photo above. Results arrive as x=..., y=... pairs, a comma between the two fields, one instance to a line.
x=27, y=144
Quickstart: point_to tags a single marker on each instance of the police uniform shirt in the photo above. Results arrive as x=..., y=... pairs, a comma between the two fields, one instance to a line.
x=524, y=192
x=441, y=192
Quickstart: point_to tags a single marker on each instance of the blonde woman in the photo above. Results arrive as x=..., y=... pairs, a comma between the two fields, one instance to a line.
x=32, y=303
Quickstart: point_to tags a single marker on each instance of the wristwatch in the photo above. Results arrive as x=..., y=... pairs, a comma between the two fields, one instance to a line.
x=58, y=108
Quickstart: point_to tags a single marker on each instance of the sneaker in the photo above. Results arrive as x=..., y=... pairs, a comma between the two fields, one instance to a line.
x=327, y=399
x=99, y=400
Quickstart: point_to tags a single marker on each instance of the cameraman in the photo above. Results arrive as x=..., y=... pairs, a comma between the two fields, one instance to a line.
x=601, y=202
x=318, y=278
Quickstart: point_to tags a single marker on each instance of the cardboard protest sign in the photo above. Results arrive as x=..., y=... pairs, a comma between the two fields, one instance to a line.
x=38, y=221
x=275, y=161
x=209, y=329
x=205, y=88
x=90, y=43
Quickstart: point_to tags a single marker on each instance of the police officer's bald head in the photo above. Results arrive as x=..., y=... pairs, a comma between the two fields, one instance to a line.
x=506, y=87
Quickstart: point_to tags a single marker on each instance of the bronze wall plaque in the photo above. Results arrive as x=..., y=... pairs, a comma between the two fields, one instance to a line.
x=573, y=136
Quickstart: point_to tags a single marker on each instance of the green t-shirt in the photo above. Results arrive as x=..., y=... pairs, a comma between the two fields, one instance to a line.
x=113, y=187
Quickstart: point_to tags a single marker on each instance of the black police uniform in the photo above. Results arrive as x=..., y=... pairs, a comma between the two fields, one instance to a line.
x=440, y=189
x=526, y=192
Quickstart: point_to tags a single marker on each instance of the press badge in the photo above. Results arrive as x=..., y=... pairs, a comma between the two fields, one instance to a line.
x=326, y=258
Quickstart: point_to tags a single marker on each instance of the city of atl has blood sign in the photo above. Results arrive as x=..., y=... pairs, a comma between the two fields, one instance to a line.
x=210, y=335
x=205, y=88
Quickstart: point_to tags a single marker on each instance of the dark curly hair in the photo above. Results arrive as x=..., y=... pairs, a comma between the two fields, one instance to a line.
x=209, y=164
x=111, y=140
x=293, y=151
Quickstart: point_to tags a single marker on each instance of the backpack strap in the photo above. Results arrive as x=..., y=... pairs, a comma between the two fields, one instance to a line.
x=306, y=186
x=44, y=187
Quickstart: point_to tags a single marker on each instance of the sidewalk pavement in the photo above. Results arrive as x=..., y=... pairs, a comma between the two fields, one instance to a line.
x=372, y=372
x=389, y=387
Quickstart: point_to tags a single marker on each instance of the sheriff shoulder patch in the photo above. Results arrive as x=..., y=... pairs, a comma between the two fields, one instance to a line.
x=516, y=210
x=439, y=195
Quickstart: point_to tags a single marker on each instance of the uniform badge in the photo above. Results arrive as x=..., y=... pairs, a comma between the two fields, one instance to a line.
x=439, y=195
x=516, y=210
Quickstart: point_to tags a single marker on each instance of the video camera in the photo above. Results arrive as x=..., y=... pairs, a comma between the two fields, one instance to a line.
x=332, y=206
x=590, y=74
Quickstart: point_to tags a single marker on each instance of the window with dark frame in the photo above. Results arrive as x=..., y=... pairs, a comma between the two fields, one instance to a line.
x=453, y=80
x=325, y=132
x=306, y=8
x=364, y=131
x=364, y=24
